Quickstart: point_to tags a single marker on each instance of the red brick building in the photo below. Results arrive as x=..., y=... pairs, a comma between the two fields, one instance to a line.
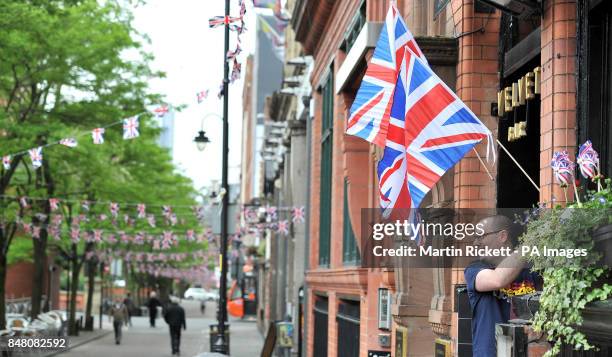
x=551, y=55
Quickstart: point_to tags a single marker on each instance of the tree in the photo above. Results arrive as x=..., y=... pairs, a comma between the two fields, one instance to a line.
x=62, y=71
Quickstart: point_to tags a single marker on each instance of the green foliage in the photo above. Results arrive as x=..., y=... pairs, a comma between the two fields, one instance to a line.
x=67, y=67
x=569, y=284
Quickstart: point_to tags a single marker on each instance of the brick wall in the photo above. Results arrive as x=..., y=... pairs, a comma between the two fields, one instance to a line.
x=558, y=108
x=477, y=81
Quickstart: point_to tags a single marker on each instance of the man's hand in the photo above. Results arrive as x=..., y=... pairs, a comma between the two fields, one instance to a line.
x=500, y=277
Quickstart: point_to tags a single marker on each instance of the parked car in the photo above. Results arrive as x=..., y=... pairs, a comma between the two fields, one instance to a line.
x=195, y=294
x=200, y=294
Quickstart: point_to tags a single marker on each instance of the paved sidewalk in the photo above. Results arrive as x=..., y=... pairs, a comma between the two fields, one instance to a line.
x=142, y=340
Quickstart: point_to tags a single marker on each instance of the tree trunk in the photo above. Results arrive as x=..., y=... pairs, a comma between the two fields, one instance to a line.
x=3, y=268
x=40, y=263
x=74, y=287
x=91, y=279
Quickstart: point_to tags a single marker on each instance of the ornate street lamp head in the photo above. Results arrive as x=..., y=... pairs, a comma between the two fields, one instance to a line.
x=201, y=140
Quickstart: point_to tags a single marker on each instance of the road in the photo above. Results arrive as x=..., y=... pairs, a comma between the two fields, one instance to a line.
x=142, y=340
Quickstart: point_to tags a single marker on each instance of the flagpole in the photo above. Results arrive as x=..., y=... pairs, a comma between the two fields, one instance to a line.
x=518, y=165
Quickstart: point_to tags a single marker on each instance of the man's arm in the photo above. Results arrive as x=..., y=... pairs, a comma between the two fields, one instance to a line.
x=183, y=319
x=500, y=277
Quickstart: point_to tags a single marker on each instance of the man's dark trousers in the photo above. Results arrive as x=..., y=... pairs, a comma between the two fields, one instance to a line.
x=117, y=327
x=175, y=338
x=152, y=316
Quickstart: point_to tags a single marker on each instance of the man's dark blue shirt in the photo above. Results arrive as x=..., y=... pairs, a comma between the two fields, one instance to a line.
x=490, y=308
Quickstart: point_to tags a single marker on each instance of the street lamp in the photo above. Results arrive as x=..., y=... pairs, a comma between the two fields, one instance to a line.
x=201, y=140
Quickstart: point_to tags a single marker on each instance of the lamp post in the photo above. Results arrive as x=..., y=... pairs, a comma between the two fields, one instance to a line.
x=220, y=343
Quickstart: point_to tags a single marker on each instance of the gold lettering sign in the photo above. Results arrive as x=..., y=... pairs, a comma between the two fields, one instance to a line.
x=522, y=127
x=511, y=134
x=521, y=91
x=508, y=99
x=515, y=95
x=529, y=85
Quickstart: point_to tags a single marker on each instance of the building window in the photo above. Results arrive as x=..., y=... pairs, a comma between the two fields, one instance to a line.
x=327, y=124
x=321, y=314
x=354, y=29
x=348, y=319
x=595, y=84
x=350, y=251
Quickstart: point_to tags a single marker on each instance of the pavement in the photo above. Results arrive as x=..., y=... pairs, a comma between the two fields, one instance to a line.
x=143, y=340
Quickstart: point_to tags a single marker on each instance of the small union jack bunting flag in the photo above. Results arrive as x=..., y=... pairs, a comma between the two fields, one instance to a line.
x=298, y=214
x=161, y=110
x=98, y=136
x=242, y=5
x=239, y=29
x=36, y=232
x=232, y=54
x=217, y=21
x=151, y=220
x=236, y=70
x=53, y=204
x=36, y=157
x=114, y=209
x=271, y=211
x=141, y=208
x=130, y=128
x=6, y=161
x=283, y=227
x=201, y=96
x=69, y=142
x=74, y=235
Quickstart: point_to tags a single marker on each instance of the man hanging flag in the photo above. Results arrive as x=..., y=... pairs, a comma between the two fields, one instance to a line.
x=430, y=130
x=298, y=214
x=98, y=136
x=371, y=109
x=201, y=96
x=130, y=128
x=6, y=161
x=36, y=157
x=69, y=142
x=161, y=110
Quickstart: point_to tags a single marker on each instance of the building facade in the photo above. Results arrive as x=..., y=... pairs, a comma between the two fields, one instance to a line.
x=532, y=74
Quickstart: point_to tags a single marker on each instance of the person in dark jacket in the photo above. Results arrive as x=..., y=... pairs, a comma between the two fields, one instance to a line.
x=119, y=315
x=152, y=304
x=129, y=304
x=174, y=315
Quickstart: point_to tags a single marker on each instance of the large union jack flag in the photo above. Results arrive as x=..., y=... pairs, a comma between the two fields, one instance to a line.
x=370, y=112
x=430, y=130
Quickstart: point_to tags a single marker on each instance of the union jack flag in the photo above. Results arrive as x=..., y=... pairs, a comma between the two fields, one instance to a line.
x=69, y=142
x=430, y=130
x=97, y=235
x=588, y=160
x=6, y=161
x=74, y=235
x=283, y=227
x=161, y=110
x=240, y=29
x=141, y=208
x=271, y=212
x=36, y=157
x=53, y=204
x=217, y=21
x=98, y=136
x=114, y=209
x=130, y=128
x=36, y=232
x=371, y=110
x=232, y=54
x=202, y=95
x=236, y=69
x=298, y=214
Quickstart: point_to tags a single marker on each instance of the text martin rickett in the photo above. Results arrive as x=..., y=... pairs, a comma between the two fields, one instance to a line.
x=468, y=251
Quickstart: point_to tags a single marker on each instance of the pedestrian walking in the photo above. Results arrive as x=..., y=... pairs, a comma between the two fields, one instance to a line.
x=174, y=315
x=129, y=304
x=119, y=315
x=153, y=304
